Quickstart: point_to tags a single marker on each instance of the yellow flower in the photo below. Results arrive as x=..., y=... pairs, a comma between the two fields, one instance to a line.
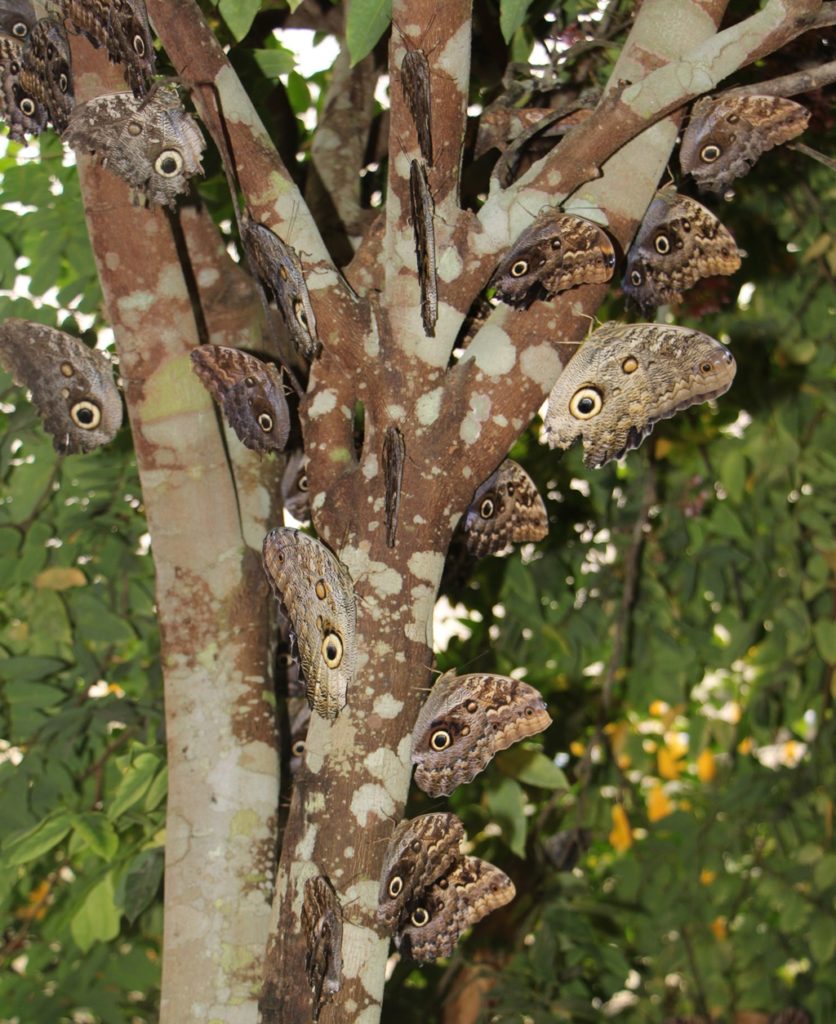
x=706, y=766
x=719, y=929
x=670, y=765
x=707, y=876
x=621, y=836
x=658, y=708
x=658, y=805
x=577, y=748
x=745, y=745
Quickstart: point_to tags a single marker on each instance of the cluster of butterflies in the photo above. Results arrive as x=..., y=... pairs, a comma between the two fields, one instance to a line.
x=144, y=136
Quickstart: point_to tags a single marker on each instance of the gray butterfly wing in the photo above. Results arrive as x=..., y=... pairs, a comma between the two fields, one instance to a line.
x=22, y=112
x=17, y=17
x=153, y=145
x=294, y=486
x=72, y=385
x=626, y=377
x=437, y=916
x=322, y=927
x=465, y=721
x=727, y=135
x=46, y=71
x=317, y=594
x=506, y=509
x=421, y=850
x=250, y=392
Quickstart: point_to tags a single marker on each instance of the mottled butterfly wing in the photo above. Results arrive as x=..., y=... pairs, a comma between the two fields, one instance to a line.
x=294, y=487
x=558, y=251
x=249, y=391
x=17, y=17
x=22, y=112
x=415, y=82
x=279, y=269
x=394, y=455
x=679, y=243
x=46, y=71
x=506, y=509
x=154, y=144
x=72, y=385
x=626, y=377
x=322, y=927
x=437, y=916
x=465, y=721
x=299, y=723
x=122, y=27
x=726, y=135
x=317, y=595
x=422, y=214
x=421, y=850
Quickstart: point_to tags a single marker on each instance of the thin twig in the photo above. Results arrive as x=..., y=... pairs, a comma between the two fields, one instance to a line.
x=790, y=85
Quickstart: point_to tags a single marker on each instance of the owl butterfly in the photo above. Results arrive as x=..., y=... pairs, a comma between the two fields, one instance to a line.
x=317, y=594
x=420, y=851
x=394, y=454
x=322, y=926
x=626, y=377
x=22, y=112
x=506, y=509
x=299, y=723
x=17, y=18
x=415, y=82
x=678, y=243
x=429, y=892
x=422, y=212
x=249, y=391
x=465, y=721
x=727, y=135
x=46, y=71
x=122, y=27
x=558, y=251
x=152, y=144
x=294, y=487
x=72, y=385
x=279, y=269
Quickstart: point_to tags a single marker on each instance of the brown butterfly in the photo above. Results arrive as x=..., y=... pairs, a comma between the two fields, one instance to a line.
x=422, y=214
x=679, y=243
x=122, y=27
x=506, y=509
x=726, y=135
x=249, y=391
x=46, y=70
x=558, y=251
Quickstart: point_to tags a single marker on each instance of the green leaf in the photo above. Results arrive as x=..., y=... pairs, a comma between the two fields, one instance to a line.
x=824, y=632
x=511, y=16
x=273, y=63
x=29, y=845
x=531, y=766
x=823, y=938
x=142, y=882
x=134, y=784
x=239, y=15
x=96, y=832
x=27, y=668
x=367, y=21
x=98, y=918
x=506, y=805
x=824, y=873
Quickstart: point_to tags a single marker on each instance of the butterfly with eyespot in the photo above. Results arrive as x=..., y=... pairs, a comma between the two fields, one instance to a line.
x=558, y=251
x=122, y=27
x=415, y=82
x=317, y=594
x=322, y=927
x=624, y=378
x=250, y=392
x=727, y=135
x=22, y=112
x=430, y=893
x=422, y=213
x=506, y=509
x=72, y=385
x=679, y=243
x=152, y=144
x=17, y=18
x=299, y=722
x=294, y=487
x=465, y=721
x=278, y=267
x=46, y=70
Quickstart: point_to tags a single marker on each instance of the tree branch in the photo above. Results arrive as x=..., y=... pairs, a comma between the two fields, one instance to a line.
x=790, y=85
